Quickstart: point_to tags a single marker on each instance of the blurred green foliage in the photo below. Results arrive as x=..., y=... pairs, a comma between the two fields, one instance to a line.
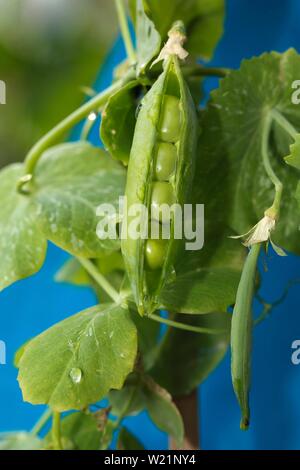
x=49, y=49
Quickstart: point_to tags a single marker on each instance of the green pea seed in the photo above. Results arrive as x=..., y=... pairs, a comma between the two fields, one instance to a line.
x=162, y=193
x=165, y=161
x=170, y=122
x=155, y=253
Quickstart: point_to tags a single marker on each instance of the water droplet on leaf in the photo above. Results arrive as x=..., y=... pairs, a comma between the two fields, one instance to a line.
x=76, y=375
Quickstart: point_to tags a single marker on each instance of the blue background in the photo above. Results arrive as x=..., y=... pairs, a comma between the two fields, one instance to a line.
x=32, y=305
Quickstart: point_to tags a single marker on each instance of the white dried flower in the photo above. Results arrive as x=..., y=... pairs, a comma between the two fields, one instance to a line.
x=174, y=46
x=261, y=232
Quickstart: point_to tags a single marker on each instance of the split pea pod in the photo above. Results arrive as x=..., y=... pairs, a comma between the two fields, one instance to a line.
x=241, y=334
x=160, y=172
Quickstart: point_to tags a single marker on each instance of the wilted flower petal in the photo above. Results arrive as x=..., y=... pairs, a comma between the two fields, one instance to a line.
x=174, y=46
x=261, y=232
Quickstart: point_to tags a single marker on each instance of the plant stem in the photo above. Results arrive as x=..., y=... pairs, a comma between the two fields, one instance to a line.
x=41, y=422
x=184, y=326
x=87, y=126
x=67, y=123
x=284, y=123
x=56, y=435
x=122, y=17
x=114, y=295
x=201, y=71
x=188, y=407
x=274, y=210
x=99, y=278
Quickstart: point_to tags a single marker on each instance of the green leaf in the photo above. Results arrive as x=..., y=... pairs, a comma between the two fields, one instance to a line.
x=130, y=399
x=141, y=392
x=294, y=158
x=77, y=361
x=235, y=120
x=118, y=122
x=22, y=243
x=203, y=21
x=205, y=31
x=147, y=38
x=70, y=182
x=127, y=441
x=181, y=369
x=163, y=411
x=19, y=441
x=19, y=353
x=79, y=431
x=207, y=280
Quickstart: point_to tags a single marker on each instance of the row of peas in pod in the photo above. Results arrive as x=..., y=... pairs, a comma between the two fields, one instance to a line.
x=160, y=172
x=164, y=169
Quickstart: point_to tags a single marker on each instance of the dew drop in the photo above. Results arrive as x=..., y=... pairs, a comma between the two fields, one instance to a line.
x=76, y=375
x=92, y=116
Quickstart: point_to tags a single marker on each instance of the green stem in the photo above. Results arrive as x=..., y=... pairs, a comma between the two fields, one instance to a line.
x=200, y=71
x=56, y=434
x=41, y=422
x=67, y=123
x=284, y=123
x=184, y=326
x=122, y=17
x=274, y=210
x=87, y=127
x=99, y=278
x=110, y=290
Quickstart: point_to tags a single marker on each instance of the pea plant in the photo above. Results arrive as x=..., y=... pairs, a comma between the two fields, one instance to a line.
x=238, y=155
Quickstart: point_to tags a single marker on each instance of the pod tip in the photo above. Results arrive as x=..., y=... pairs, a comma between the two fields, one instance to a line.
x=245, y=423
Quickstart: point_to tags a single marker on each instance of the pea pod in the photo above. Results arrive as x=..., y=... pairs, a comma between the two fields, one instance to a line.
x=241, y=334
x=160, y=171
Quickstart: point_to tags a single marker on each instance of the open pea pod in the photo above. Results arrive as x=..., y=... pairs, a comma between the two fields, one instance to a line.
x=160, y=174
